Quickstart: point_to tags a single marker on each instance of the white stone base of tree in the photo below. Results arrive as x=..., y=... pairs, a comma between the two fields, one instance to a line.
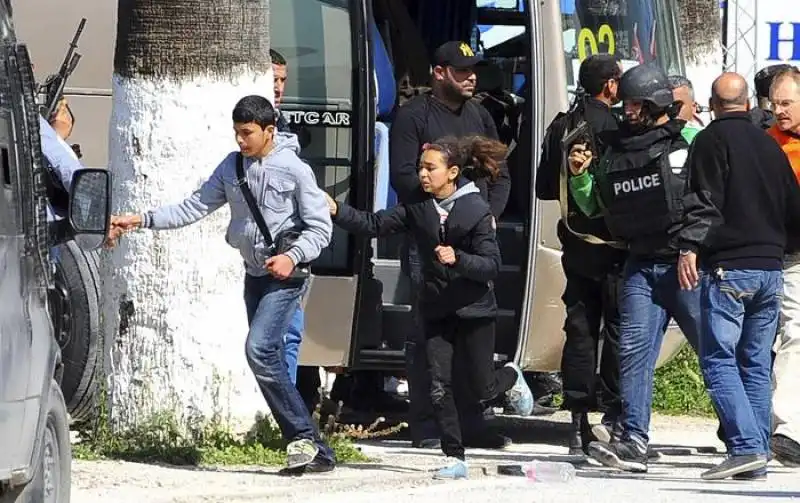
x=174, y=313
x=702, y=71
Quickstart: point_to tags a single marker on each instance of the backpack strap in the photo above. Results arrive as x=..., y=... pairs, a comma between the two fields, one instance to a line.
x=241, y=180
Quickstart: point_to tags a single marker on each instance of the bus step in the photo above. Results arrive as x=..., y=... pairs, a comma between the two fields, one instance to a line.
x=396, y=308
x=392, y=354
x=381, y=359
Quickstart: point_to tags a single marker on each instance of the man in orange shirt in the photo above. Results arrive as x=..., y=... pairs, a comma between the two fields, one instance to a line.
x=785, y=444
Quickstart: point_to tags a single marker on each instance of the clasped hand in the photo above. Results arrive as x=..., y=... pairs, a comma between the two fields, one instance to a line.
x=580, y=158
x=445, y=254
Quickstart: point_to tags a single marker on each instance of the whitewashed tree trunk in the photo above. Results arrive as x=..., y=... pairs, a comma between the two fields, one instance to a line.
x=173, y=300
x=701, y=38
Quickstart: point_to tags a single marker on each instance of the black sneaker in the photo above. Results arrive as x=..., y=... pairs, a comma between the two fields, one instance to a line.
x=736, y=465
x=760, y=474
x=626, y=455
x=579, y=436
x=785, y=450
x=318, y=465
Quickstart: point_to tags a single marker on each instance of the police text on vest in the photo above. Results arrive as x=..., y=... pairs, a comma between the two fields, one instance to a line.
x=637, y=184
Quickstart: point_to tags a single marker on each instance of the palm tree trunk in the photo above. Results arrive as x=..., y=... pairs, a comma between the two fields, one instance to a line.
x=173, y=300
x=701, y=37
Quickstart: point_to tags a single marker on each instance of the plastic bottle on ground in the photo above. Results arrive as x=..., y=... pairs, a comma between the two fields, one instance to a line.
x=550, y=471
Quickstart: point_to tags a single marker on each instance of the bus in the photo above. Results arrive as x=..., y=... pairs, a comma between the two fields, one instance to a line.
x=352, y=64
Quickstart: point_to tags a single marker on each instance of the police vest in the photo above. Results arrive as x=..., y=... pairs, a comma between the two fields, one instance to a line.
x=643, y=194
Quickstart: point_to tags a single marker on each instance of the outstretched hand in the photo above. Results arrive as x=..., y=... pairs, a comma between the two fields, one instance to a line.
x=121, y=224
x=332, y=206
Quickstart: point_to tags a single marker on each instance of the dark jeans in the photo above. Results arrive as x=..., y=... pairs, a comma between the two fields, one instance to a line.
x=591, y=303
x=650, y=297
x=740, y=316
x=469, y=342
x=271, y=304
x=421, y=420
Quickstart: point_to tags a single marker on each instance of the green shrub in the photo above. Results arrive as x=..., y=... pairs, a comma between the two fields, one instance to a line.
x=679, y=387
x=162, y=438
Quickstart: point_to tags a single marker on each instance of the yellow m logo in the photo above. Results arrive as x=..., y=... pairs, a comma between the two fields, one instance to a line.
x=465, y=50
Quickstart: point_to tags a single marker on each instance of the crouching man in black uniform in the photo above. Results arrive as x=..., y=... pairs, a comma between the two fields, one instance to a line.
x=638, y=185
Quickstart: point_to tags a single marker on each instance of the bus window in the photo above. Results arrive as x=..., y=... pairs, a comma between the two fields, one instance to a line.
x=314, y=38
x=638, y=31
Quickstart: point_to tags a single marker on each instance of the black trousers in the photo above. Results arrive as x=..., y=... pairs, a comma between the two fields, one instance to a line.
x=468, y=343
x=592, y=308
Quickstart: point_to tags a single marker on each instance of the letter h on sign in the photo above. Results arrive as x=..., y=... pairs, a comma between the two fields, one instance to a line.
x=775, y=41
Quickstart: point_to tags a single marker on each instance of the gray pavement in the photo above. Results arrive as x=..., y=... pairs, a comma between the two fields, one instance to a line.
x=400, y=473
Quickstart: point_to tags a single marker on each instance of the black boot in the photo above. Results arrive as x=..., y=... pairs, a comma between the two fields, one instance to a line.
x=580, y=434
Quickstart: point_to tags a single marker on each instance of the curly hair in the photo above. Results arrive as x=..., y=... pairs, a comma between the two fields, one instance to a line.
x=476, y=156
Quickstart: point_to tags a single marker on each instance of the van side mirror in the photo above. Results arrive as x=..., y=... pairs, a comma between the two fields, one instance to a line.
x=90, y=206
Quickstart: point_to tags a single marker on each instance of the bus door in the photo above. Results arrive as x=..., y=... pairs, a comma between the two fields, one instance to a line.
x=327, y=76
x=637, y=31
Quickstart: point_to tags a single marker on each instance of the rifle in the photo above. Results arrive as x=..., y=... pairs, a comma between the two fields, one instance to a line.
x=53, y=87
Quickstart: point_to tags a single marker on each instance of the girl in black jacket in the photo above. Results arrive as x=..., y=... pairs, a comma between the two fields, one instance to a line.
x=455, y=231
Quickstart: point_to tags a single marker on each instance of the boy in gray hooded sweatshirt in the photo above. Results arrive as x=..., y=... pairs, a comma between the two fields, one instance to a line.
x=287, y=192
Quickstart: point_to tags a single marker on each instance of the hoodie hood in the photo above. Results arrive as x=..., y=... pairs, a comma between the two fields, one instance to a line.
x=283, y=143
x=446, y=205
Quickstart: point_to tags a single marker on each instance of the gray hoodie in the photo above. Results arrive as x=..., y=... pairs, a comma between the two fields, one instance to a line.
x=286, y=191
x=444, y=206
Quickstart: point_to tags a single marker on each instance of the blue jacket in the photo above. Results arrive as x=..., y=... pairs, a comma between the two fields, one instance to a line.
x=62, y=159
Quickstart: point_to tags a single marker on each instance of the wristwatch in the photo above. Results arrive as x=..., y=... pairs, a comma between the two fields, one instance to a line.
x=685, y=252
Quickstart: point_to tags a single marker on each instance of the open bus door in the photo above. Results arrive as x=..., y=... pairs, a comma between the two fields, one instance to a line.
x=326, y=103
x=400, y=37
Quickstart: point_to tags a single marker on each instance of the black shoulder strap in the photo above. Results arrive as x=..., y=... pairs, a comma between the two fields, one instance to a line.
x=241, y=180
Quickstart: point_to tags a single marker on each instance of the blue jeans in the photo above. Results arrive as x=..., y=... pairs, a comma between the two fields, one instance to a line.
x=292, y=342
x=271, y=304
x=650, y=297
x=740, y=317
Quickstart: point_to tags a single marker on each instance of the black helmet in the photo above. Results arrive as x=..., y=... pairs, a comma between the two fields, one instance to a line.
x=646, y=83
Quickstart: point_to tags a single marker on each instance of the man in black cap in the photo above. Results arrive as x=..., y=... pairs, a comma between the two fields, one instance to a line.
x=447, y=110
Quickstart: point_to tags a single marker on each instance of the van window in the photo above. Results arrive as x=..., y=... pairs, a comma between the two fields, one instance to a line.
x=314, y=37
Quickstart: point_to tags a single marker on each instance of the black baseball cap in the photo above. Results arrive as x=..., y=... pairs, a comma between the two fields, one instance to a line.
x=765, y=76
x=456, y=54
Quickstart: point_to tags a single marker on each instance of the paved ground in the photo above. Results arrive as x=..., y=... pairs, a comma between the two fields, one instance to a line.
x=403, y=474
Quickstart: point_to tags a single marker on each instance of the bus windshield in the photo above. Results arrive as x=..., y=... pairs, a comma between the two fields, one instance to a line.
x=637, y=31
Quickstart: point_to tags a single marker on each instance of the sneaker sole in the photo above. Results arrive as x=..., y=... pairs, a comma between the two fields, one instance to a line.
x=611, y=460
x=440, y=477
x=738, y=470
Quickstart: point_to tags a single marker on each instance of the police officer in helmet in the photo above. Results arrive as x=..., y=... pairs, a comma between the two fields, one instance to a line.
x=637, y=186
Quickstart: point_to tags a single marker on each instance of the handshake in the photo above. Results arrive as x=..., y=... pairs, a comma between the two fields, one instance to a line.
x=121, y=224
